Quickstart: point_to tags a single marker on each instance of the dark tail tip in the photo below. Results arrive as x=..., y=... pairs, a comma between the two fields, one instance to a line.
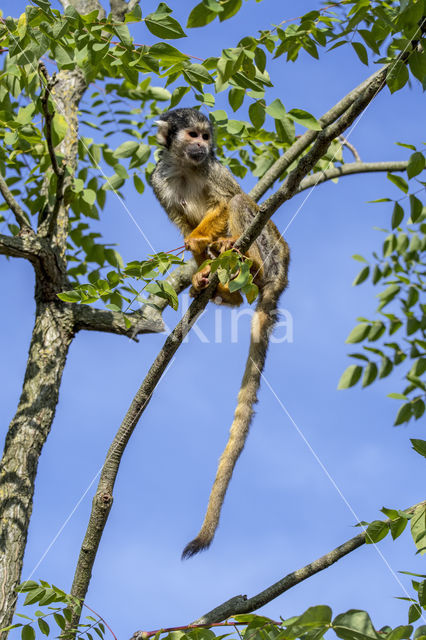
x=195, y=546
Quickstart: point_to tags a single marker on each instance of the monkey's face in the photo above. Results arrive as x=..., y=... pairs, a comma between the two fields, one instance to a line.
x=193, y=144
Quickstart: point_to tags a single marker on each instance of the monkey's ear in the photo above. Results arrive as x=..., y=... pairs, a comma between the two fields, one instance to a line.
x=162, y=131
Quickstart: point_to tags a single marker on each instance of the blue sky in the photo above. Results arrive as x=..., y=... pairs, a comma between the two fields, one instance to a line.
x=283, y=508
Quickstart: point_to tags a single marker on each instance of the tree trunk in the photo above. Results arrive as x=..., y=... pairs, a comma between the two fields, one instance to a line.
x=51, y=338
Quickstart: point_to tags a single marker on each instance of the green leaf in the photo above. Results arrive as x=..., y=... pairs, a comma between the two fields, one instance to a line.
x=177, y=95
x=416, y=208
x=397, y=527
x=27, y=632
x=397, y=76
x=397, y=396
x=361, y=52
x=139, y=185
x=276, y=110
x=166, y=53
x=397, y=215
x=363, y=275
x=200, y=16
x=69, y=296
x=59, y=128
x=305, y=119
x=122, y=31
x=25, y=114
x=354, y=625
x=419, y=446
x=126, y=149
x=197, y=73
x=376, y=531
x=350, y=377
x=370, y=374
x=418, y=529
x=416, y=164
x=399, y=182
x=404, y=414
x=163, y=25
x=43, y=626
x=358, y=333
x=236, y=98
x=414, y=613
x=257, y=114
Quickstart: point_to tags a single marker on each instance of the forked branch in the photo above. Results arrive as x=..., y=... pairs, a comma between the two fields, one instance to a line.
x=242, y=604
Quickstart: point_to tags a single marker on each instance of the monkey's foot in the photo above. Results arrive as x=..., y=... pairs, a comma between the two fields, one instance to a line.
x=220, y=245
x=201, y=279
x=196, y=245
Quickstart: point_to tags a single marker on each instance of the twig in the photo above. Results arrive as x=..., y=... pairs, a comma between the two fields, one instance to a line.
x=21, y=217
x=351, y=147
x=143, y=635
x=350, y=169
x=48, y=117
x=242, y=604
x=59, y=171
x=102, y=501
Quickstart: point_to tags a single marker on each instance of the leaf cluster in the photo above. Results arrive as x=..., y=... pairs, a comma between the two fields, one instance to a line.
x=398, y=333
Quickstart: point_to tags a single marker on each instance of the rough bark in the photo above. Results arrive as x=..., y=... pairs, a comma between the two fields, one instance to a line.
x=52, y=335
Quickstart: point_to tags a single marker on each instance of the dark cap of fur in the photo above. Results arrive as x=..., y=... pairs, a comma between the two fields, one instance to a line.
x=184, y=118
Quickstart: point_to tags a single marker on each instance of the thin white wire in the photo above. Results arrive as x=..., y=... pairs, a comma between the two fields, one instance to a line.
x=333, y=482
x=85, y=492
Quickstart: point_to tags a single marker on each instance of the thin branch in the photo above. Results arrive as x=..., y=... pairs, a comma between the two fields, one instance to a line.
x=25, y=246
x=58, y=171
x=21, y=217
x=308, y=138
x=48, y=117
x=146, y=320
x=350, y=169
x=92, y=319
x=242, y=604
x=102, y=501
x=351, y=147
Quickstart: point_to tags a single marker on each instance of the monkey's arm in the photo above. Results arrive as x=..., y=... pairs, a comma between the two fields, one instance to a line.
x=212, y=226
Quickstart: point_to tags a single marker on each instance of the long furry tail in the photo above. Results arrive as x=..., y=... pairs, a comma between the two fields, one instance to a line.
x=263, y=321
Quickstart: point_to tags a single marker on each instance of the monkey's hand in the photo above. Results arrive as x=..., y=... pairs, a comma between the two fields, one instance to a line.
x=197, y=245
x=201, y=279
x=219, y=246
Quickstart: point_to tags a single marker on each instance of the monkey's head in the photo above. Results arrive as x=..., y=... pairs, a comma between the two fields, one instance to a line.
x=187, y=134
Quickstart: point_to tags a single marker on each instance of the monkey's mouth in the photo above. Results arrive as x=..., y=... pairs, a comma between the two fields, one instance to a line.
x=196, y=154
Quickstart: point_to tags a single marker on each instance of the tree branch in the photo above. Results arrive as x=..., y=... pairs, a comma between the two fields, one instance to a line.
x=242, y=604
x=102, y=501
x=119, y=8
x=25, y=246
x=145, y=320
x=21, y=217
x=349, y=169
x=351, y=147
x=307, y=138
x=308, y=161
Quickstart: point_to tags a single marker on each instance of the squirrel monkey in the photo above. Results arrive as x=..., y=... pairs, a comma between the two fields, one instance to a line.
x=202, y=198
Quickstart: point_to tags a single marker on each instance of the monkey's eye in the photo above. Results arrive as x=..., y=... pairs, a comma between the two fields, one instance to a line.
x=193, y=134
x=205, y=136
